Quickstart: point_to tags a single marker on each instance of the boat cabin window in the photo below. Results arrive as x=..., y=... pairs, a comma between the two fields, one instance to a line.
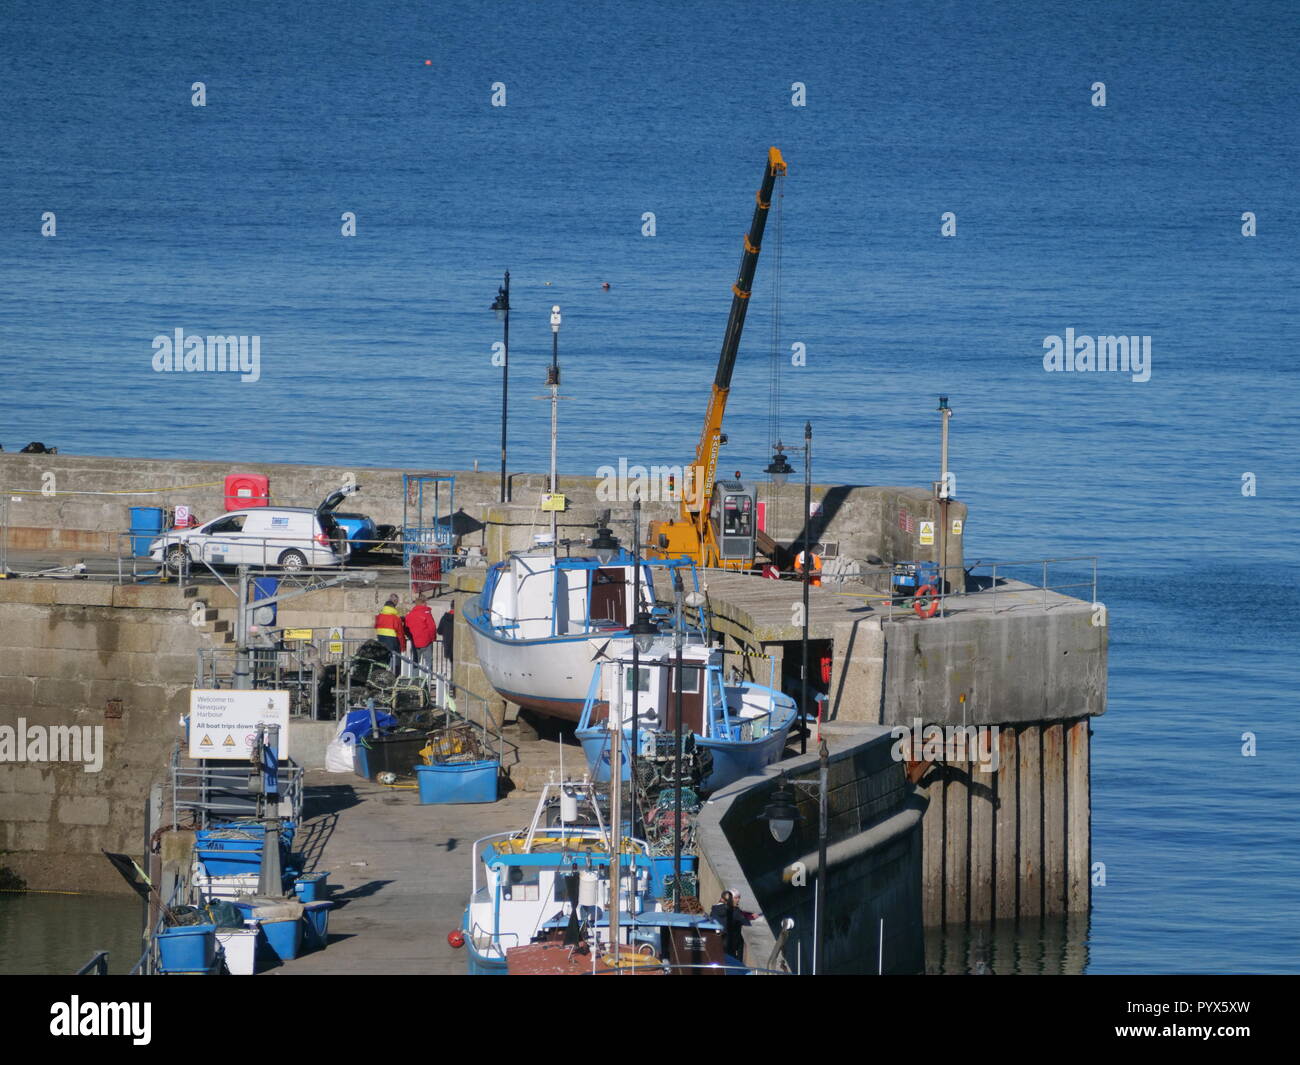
x=690, y=683
x=642, y=677
x=522, y=885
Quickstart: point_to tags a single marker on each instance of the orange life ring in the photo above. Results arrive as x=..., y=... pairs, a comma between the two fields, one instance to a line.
x=931, y=604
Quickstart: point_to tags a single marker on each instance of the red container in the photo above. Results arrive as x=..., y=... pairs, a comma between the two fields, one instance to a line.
x=245, y=490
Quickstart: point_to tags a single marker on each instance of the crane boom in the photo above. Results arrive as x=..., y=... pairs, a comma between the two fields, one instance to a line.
x=691, y=534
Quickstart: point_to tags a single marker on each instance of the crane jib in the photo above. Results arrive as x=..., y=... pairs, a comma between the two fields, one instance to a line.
x=745, y=278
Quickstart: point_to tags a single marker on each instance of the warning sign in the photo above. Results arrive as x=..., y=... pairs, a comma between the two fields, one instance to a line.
x=927, y=533
x=956, y=526
x=298, y=634
x=224, y=724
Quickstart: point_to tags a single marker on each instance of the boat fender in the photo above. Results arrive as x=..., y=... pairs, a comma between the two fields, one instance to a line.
x=926, y=602
x=456, y=938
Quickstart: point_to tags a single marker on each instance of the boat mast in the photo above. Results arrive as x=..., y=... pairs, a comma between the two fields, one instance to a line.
x=616, y=821
x=553, y=382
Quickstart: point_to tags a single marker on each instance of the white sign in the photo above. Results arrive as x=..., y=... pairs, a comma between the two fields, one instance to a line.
x=223, y=724
x=927, y=532
x=182, y=518
x=956, y=526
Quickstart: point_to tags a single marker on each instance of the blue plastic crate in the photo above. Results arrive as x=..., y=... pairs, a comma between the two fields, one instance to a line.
x=187, y=949
x=461, y=782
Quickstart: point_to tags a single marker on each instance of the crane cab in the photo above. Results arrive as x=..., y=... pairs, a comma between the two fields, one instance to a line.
x=735, y=521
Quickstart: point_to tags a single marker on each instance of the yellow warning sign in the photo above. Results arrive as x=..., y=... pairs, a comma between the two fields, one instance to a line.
x=229, y=741
x=956, y=526
x=206, y=741
x=927, y=533
x=553, y=501
x=298, y=634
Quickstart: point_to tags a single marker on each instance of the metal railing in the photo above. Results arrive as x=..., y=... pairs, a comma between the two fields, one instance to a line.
x=221, y=789
x=302, y=666
x=97, y=966
x=262, y=555
x=980, y=586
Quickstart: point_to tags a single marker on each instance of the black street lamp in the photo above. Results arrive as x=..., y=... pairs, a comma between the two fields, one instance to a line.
x=779, y=469
x=605, y=543
x=782, y=815
x=501, y=305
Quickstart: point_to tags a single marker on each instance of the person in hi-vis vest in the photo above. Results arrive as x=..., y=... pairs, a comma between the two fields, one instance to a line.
x=390, y=630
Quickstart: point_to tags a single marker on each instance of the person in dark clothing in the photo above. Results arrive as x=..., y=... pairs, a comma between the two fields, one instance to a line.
x=446, y=629
x=733, y=919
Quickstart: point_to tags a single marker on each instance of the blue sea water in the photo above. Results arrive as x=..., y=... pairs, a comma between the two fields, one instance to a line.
x=376, y=350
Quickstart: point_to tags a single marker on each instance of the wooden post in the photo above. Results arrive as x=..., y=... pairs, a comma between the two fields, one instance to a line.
x=932, y=828
x=1078, y=816
x=1031, y=821
x=980, y=786
x=1054, y=885
x=956, y=843
x=1006, y=867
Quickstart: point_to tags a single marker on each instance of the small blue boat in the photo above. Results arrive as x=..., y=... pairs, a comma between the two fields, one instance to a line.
x=742, y=725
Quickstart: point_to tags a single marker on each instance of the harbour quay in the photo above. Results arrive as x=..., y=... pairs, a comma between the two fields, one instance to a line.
x=956, y=723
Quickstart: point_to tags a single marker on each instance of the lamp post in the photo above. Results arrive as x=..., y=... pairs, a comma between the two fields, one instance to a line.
x=643, y=632
x=807, y=573
x=782, y=815
x=779, y=469
x=553, y=382
x=677, y=750
x=501, y=305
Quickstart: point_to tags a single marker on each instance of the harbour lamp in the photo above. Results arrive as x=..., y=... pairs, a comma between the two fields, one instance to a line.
x=643, y=632
x=779, y=468
x=781, y=812
x=605, y=544
x=501, y=307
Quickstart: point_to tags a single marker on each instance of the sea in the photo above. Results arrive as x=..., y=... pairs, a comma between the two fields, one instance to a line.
x=965, y=182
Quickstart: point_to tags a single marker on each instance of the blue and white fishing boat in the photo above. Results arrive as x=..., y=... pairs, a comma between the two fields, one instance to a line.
x=744, y=726
x=534, y=884
x=540, y=623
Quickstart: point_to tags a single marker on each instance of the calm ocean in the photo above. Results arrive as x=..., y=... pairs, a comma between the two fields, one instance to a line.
x=376, y=350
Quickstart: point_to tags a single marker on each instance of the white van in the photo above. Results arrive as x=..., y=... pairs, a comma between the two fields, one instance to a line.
x=288, y=537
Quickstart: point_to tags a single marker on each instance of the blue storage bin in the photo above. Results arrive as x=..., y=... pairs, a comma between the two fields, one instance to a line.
x=284, y=937
x=360, y=763
x=316, y=923
x=310, y=887
x=187, y=949
x=459, y=782
x=146, y=526
x=222, y=857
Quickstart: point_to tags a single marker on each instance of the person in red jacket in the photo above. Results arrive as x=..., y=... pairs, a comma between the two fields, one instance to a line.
x=423, y=631
x=390, y=631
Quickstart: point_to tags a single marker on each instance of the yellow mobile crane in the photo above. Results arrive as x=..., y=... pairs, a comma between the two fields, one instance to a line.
x=722, y=532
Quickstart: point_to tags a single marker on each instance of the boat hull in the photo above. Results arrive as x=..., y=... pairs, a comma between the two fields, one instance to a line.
x=732, y=759
x=548, y=676
x=479, y=964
